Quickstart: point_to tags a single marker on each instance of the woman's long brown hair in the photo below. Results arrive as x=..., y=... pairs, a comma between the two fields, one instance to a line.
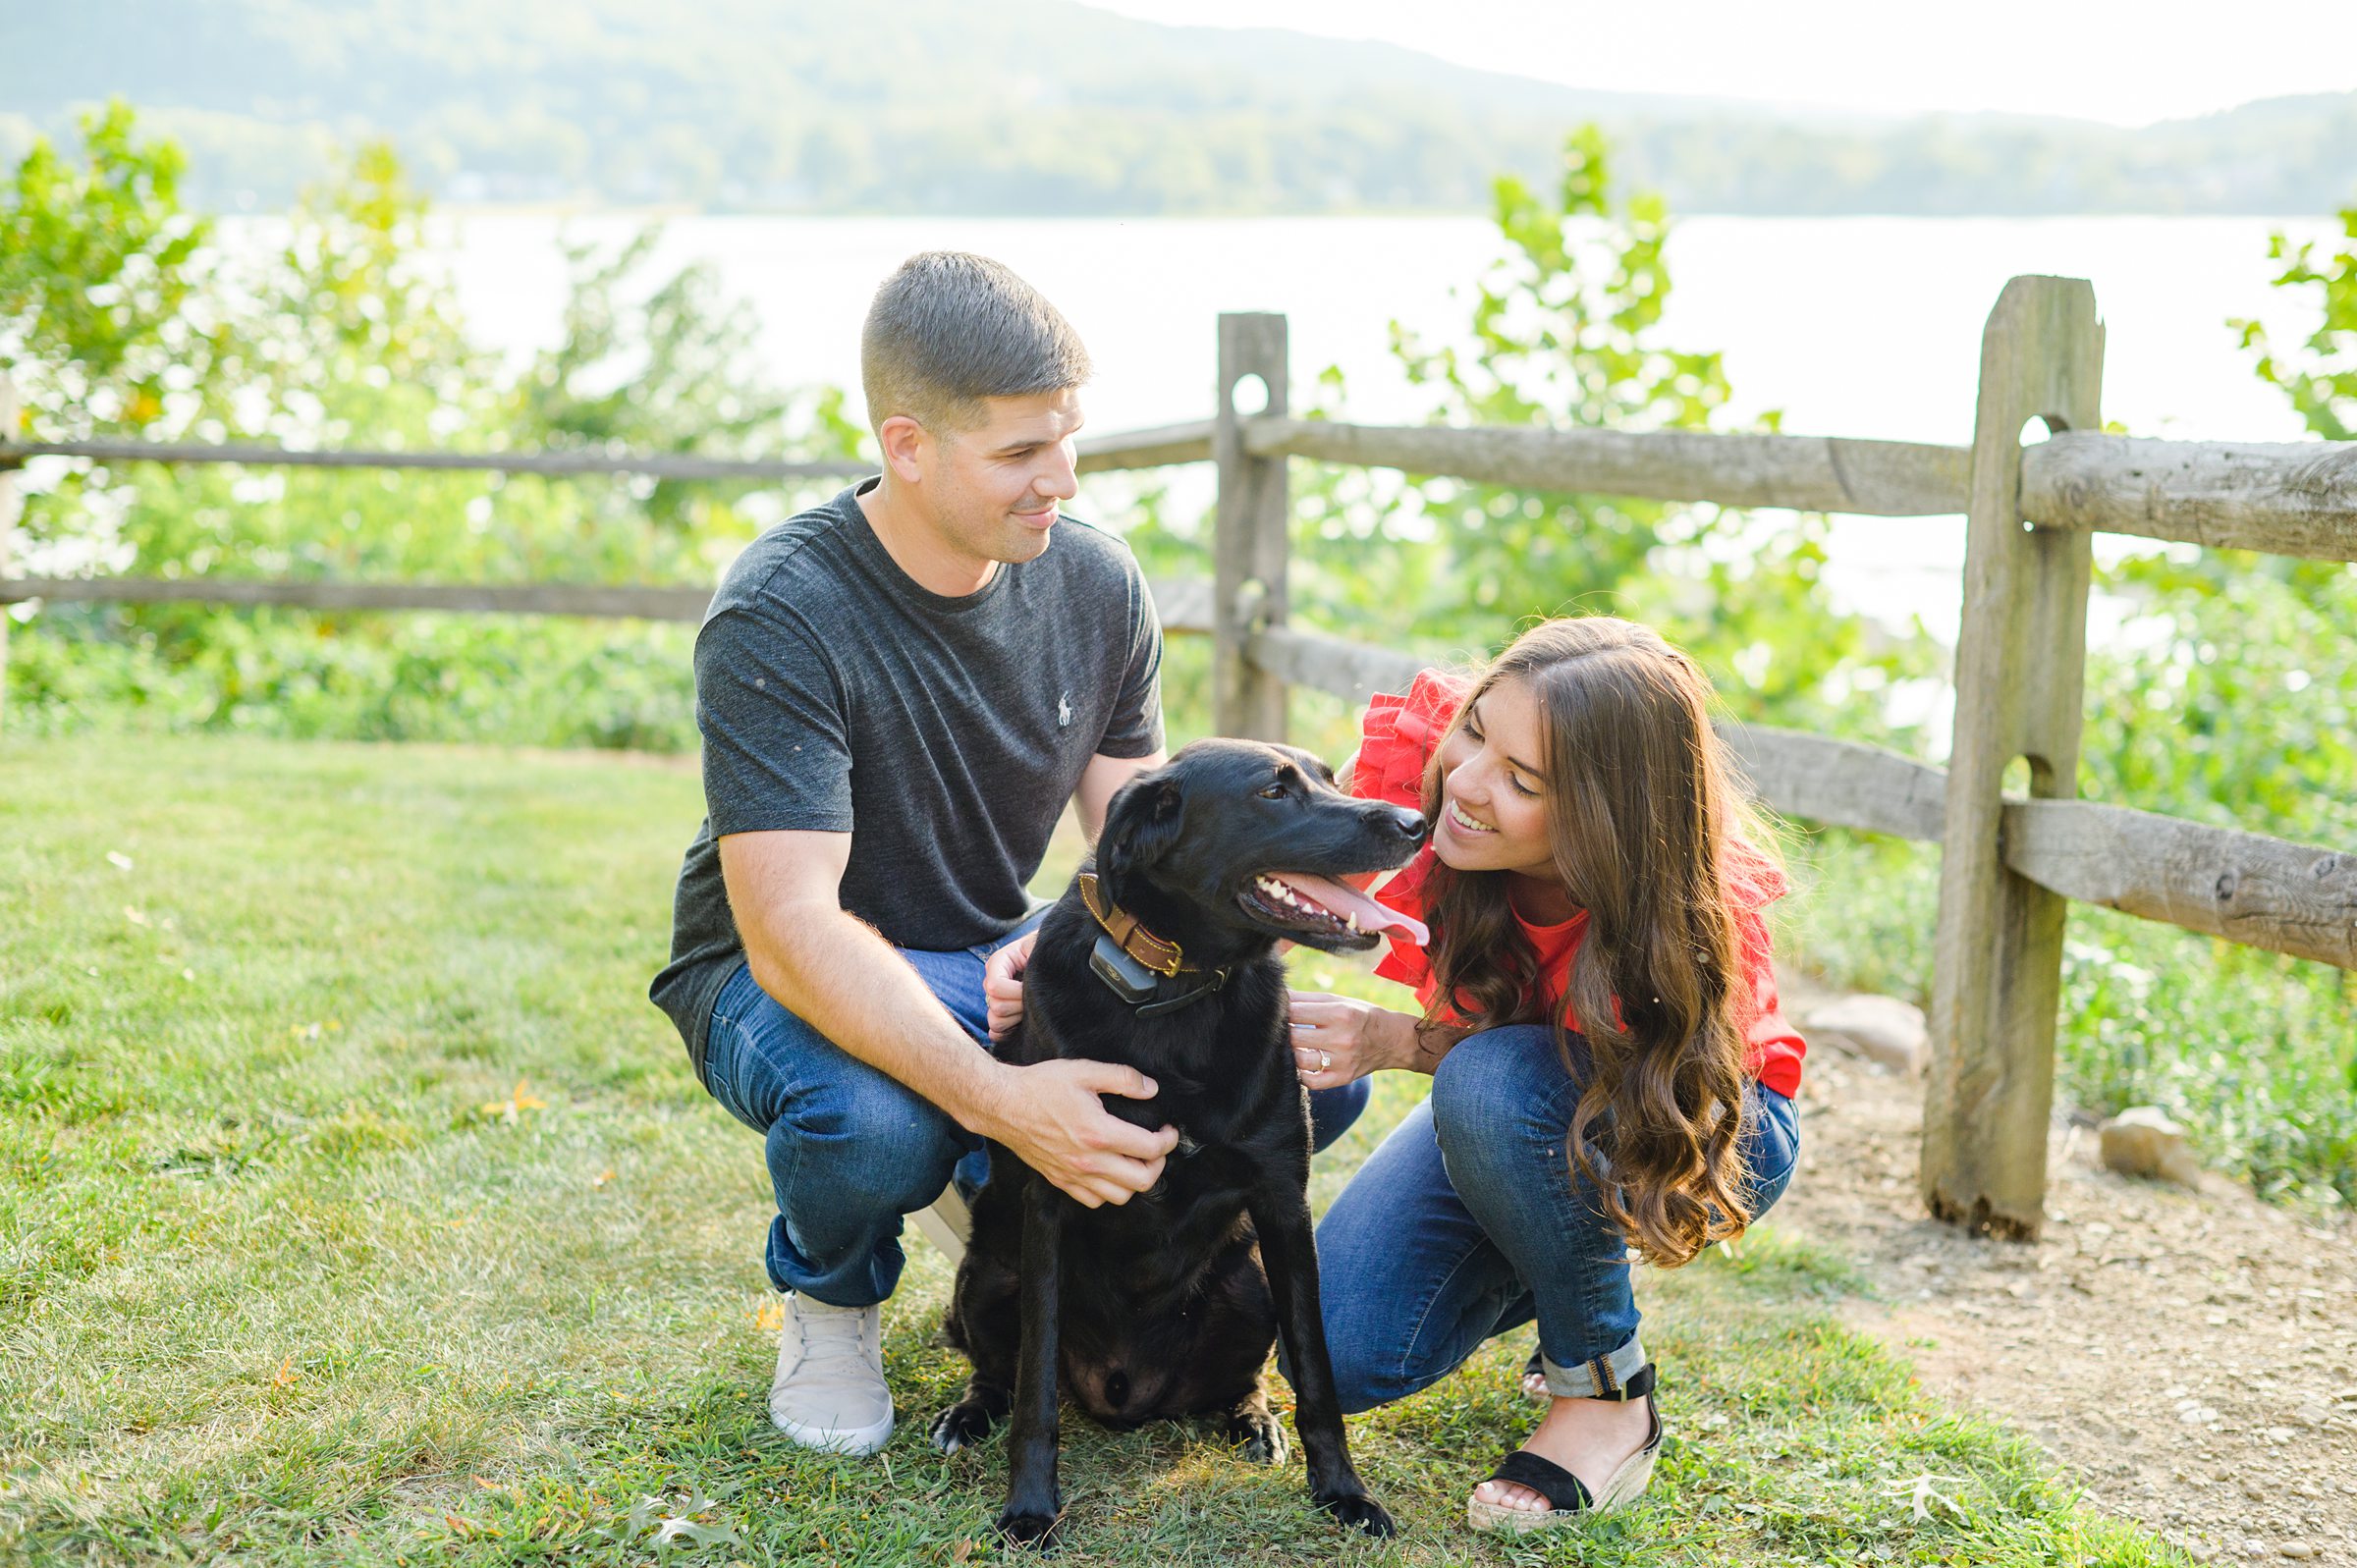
x=1641, y=811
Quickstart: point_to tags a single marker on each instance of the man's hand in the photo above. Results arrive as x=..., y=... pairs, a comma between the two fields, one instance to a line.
x=1050, y=1116
x=1003, y=984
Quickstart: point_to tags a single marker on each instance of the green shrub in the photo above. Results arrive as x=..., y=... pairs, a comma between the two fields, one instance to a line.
x=120, y=318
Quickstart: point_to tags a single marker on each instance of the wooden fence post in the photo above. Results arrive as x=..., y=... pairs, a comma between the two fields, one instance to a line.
x=9, y=504
x=1248, y=542
x=2020, y=670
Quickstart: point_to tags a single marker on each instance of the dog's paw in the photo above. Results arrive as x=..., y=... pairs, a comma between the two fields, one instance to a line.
x=1361, y=1512
x=1027, y=1527
x=961, y=1426
x=1258, y=1436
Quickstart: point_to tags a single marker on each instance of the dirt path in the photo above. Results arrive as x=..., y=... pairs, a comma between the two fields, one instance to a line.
x=2191, y=1358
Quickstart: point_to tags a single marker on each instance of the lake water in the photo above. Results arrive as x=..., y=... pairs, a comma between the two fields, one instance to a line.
x=1850, y=326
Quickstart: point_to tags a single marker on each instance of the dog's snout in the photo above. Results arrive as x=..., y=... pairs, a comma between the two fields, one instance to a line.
x=1410, y=823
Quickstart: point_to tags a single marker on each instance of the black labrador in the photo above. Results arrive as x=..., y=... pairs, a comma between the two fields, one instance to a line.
x=1161, y=955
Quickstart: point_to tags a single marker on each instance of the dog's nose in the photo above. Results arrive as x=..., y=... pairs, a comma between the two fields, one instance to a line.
x=1410, y=823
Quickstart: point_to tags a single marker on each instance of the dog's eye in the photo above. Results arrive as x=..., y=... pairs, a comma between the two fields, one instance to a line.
x=1275, y=792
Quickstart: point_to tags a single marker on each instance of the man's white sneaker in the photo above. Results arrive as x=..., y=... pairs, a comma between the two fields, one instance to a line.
x=829, y=1391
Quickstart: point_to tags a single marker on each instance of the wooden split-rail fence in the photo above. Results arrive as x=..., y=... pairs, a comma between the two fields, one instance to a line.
x=2010, y=862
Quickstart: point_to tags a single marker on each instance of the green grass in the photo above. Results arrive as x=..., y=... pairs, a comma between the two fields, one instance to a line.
x=356, y=1207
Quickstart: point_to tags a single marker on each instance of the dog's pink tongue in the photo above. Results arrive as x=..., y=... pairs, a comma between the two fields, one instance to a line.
x=1345, y=900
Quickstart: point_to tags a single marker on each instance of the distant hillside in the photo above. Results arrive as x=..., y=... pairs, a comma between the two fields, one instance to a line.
x=1034, y=106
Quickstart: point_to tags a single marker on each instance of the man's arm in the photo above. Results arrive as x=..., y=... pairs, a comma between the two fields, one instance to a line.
x=836, y=973
x=1102, y=779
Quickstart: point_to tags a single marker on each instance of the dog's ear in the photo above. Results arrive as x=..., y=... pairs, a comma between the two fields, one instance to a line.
x=1141, y=827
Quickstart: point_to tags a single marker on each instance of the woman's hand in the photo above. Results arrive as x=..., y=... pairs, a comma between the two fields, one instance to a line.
x=1338, y=1040
x=1003, y=984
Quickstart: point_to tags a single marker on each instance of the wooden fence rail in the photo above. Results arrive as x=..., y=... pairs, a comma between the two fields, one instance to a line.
x=1185, y=603
x=588, y=462
x=633, y=603
x=2287, y=499
x=1130, y=448
x=2245, y=886
x=2009, y=863
x=1810, y=473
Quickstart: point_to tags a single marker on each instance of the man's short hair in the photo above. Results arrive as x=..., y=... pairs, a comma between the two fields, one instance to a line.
x=948, y=328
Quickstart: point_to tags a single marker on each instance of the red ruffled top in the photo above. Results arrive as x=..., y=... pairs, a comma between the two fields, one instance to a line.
x=1397, y=738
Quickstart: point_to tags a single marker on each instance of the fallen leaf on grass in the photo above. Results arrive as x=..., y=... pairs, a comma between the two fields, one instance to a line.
x=652, y=1518
x=511, y=1110
x=673, y=1531
x=118, y=859
x=285, y=1374
x=771, y=1316
x=1921, y=1494
x=137, y=917
x=601, y=1178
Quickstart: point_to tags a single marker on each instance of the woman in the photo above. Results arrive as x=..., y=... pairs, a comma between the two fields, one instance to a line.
x=1598, y=1011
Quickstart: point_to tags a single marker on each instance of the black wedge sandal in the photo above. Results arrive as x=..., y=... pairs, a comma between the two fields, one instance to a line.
x=1567, y=1496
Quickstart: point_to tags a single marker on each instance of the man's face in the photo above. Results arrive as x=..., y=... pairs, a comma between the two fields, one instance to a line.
x=993, y=490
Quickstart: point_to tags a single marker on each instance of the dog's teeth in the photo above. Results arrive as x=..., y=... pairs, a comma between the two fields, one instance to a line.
x=1352, y=922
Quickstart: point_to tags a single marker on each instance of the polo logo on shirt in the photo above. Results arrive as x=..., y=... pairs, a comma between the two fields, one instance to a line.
x=1064, y=711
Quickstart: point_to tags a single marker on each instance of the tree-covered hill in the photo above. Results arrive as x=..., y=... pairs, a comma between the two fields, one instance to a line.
x=1035, y=106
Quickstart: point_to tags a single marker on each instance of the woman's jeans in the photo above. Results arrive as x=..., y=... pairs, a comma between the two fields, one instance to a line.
x=1468, y=1221
x=850, y=1150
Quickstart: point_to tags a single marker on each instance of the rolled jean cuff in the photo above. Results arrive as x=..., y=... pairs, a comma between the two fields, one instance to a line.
x=1601, y=1378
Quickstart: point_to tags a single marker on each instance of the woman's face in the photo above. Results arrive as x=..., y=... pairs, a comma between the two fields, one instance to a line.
x=1493, y=795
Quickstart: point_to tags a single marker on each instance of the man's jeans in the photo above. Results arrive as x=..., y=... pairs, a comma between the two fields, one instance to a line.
x=850, y=1150
x=1468, y=1222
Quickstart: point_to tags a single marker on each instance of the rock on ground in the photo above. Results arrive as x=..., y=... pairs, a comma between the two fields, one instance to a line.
x=2142, y=1141
x=1880, y=1029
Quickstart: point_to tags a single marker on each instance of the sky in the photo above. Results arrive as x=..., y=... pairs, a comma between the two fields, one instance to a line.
x=2124, y=64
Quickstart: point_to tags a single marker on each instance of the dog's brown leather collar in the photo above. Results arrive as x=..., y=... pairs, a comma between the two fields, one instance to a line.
x=1165, y=958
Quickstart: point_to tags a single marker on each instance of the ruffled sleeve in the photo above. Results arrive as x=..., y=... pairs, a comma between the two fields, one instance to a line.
x=1397, y=738
x=1774, y=1048
x=1406, y=962
x=1397, y=735
x=1752, y=880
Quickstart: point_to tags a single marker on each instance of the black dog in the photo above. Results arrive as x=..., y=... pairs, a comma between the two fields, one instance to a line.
x=1161, y=955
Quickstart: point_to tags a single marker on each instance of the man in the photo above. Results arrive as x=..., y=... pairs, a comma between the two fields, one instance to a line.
x=897, y=692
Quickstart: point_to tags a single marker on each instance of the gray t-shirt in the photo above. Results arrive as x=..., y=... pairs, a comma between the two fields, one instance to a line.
x=944, y=734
